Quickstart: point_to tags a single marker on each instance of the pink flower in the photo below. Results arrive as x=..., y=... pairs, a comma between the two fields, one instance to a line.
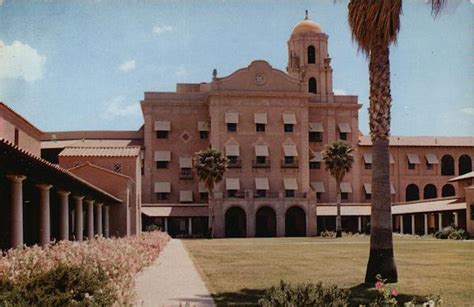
x=378, y=285
x=394, y=292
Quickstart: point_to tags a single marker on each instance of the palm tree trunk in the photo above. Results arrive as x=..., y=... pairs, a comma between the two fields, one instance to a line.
x=381, y=259
x=210, y=199
x=338, y=216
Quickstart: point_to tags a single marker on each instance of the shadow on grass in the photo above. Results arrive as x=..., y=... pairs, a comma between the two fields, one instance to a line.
x=243, y=297
x=365, y=294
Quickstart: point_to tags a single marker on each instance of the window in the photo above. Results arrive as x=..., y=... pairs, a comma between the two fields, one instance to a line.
x=343, y=136
x=289, y=193
x=204, y=195
x=429, y=166
x=411, y=165
x=17, y=136
x=344, y=196
x=314, y=165
x=289, y=159
x=311, y=55
x=261, y=193
x=368, y=196
x=260, y=127
x=232, y=159
x=315, y=137
x=368, y=165
x=261, y=160
x=117, y=167
x=203, y=135
x=319, y=195
x=231, y=127
x=430, y=191
x=288, y=127
x=448, y=190
x=447, y=165
x=161, y=164
x=162, y=196
x=412, y=192
x=161, y=134
x=231, y=193
x=465, y=164
x=312, y=87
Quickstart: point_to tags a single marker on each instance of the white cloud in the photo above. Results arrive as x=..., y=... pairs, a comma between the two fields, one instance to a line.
x=468, y=111
x=117, y=107
x=20, y=61
x=127, y=66
x=162, y=29
x=1, y=2
x=338, y=91
x=181, y=71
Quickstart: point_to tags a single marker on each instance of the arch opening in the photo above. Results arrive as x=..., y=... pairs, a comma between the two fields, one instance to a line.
x=412, y=193
x=265, y=222
x=447, y=165
x=312, y=86
x=430, y=191
x=311, y=55
x=235, y=223
x=295, y=222
x=448, y=190
x=465, y=165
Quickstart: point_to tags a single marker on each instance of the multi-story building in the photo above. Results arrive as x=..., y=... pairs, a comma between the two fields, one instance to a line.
x=272, y=126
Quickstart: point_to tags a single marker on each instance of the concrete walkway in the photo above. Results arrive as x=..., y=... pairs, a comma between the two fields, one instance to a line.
x=172, y=281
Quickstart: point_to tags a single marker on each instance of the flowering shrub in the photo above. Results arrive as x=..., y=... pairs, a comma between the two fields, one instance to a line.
x=119, y=259
x=452, y=233
x=386, y=296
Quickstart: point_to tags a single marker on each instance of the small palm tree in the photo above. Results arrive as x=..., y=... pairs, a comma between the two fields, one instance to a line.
x=338, y=160
x=210, y=166
x=375, y=25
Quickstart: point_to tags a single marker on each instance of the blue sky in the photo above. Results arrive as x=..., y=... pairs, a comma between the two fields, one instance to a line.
x=84, y=65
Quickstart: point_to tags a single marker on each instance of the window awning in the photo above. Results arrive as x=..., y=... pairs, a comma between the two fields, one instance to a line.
x=232, y=184
x=162, y=156
x=392, y=189
x=317, y=156
x=203, y=126
x=185, y=162
x=202, y=187
x=261, y=151
x=162, y=125
x=346, y=187
x=289, y=118
x=431, y=159
x=392, y=160
x=368, y=188
x=318, y=186
x=232, y=117
x=260, y=118
x=186, y=196
x=290, y=151
x=232, y=150
x=367, y=158
x=413, y=158
x=290, y=183
x=344, y=127
x=262, y=184
x=162, y=187
x=316, y=127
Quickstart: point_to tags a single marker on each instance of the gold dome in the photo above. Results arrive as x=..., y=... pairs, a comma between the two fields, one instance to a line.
x=307, y=26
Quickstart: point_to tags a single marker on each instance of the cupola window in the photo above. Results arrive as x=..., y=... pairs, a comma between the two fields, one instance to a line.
x=312, y=87
x=311, y=55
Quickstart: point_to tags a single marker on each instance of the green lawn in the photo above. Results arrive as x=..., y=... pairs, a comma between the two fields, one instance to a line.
x=236, y=270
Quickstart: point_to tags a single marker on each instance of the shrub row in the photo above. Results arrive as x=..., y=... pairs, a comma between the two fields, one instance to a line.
x=110, y=266
x=451, y=233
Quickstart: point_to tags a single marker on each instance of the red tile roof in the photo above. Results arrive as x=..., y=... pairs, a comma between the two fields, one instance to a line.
x=364, y=140
x=128, y=151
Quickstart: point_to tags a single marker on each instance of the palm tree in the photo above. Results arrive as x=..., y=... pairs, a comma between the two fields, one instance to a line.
x=210, y=166
x=338, y=161
x=375, y=25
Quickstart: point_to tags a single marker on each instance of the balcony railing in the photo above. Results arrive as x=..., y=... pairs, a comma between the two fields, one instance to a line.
x=257, y=164
x=289, y=164
x=185, y=173
x=234, y=164
x=235, y=195
x=297, y=195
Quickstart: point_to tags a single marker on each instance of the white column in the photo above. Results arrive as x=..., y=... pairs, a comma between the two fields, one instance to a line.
x=166, y=224
x=78, y=218
x=440, y=221
x=90, y=219
x=426, y=223
x=359, y=224
x=190, y=226
x=106, y=222
x=413, y=224
x=63, y=215
x=98, y=219
x=456, y=219
x=401, y=224
x=44, y=216
x=16, y=203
